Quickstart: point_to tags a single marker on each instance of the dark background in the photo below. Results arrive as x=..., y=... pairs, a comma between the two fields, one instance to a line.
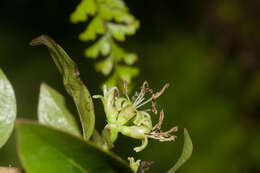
x=207, y=50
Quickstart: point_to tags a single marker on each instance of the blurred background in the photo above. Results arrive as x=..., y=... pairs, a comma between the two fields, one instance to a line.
x=207, y=50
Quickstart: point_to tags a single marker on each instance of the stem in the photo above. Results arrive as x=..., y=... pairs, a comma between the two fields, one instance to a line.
x=10, y=170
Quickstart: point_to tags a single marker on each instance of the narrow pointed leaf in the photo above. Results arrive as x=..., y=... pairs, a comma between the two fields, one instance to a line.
x=72, y=82
x=46, y=150
x=52, y=111
x=7, y=109
x=186, y=153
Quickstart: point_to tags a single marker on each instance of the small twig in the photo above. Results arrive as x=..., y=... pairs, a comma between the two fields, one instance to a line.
x=10, y=170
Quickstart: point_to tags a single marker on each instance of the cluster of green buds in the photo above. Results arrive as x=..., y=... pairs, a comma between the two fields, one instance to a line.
x=124, y=116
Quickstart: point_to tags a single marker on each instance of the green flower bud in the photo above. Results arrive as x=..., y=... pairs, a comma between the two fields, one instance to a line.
x=137, y=132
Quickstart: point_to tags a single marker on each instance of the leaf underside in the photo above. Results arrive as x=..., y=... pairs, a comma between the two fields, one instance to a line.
x=43, y=149
x=7, y=109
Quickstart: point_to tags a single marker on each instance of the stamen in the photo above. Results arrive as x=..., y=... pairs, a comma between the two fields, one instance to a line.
x=147, y=101
x=159, y=124
x=139, y=101
x=125, y=90
x=140, y=96
x=158, y=94
x=134, y=96
x=142, y=93
x=162, y=136
x=145, y=110
x=154, y=107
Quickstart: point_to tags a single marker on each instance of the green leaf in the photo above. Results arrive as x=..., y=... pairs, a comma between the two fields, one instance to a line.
x=72, y=83
x=103, y=46
x=46, y=150
x=186, y=153
x=111, y=81
x=127, y=72
x=118, y=52
x=105, y=66
x=7, y=109
x=116, y=4
x=85, y=8
x=52, y=111
x=118, y=31
x=109, y=13
x=130, y=58
x=95, y=27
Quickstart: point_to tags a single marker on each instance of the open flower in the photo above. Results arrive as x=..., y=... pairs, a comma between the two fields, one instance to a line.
x=124, y=115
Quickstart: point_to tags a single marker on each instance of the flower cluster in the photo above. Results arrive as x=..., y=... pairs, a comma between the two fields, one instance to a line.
x=124, y=115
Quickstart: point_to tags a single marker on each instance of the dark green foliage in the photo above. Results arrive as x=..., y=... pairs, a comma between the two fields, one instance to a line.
x=43, y=149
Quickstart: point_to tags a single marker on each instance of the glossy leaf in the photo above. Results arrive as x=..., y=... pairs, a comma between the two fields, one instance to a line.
x=52, y=111
x=72, y=82
x=46, y=150
x=7, y=109
x=186, y=153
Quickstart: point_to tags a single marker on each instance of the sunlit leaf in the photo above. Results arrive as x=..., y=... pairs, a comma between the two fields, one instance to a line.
x=102, y=46
x=130, y=58
x=85, y=8
x=105, y=66
x=119, y=31
x=186, y=153
x=95, y=27
x=7, y=109
x=116, y=4
x=127, y=72
x=46, y=150
x=52, y=111
x=118, y=52
x=72, y=83
x=109, y=13
x=111, y=81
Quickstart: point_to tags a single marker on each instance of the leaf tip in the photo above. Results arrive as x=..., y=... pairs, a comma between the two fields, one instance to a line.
x=43, y=85
x=42, y=39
